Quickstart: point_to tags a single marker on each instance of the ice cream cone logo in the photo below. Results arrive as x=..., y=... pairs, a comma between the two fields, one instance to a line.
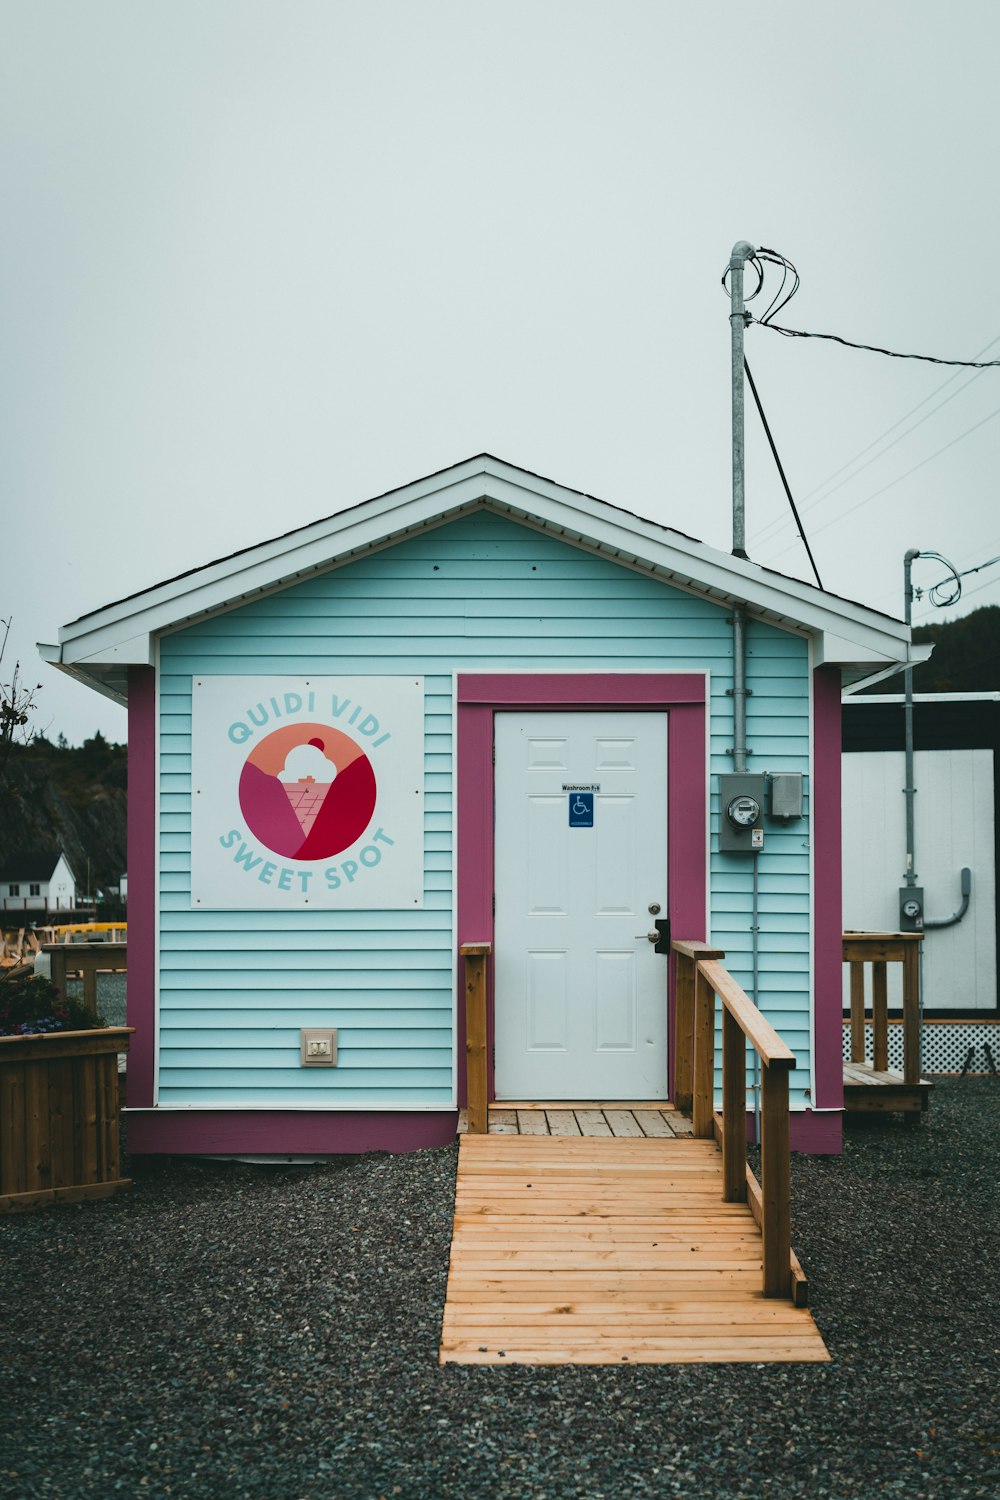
x=307, y=791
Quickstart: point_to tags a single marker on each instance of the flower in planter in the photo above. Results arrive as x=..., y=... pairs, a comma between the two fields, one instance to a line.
x=31, y=1004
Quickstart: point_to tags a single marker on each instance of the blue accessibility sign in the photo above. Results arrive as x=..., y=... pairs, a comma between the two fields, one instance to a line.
x=581, y=809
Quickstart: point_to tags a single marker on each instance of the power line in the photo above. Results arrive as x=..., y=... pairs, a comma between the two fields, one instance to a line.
x=906, y=415
x=966, y=594
x=931, y=359
x=781, y=471
x=779, y=524
x=899, y=479
x=993, y=541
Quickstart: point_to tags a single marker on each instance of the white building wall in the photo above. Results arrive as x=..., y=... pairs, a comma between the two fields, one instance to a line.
x=953, y=826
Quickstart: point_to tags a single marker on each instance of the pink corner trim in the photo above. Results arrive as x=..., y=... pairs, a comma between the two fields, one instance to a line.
x=284, y=1132
x=142, y=882
x=480, y=694
x=817, y=1134
x=828, y=919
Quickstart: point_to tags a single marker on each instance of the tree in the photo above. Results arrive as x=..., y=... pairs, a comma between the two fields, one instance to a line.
x=16, y=704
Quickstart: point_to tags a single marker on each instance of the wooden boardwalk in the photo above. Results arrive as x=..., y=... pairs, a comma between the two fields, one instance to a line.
x=608, y=1249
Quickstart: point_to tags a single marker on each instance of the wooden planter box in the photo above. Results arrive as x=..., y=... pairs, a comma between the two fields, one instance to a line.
x=59, y=1110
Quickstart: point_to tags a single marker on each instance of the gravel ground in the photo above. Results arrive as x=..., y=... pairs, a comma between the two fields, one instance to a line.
x=250, y=1331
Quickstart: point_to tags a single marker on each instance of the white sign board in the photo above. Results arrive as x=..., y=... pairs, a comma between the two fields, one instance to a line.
x=307, y=793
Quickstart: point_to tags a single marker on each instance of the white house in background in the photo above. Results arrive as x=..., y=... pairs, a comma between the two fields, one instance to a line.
x=37, y=882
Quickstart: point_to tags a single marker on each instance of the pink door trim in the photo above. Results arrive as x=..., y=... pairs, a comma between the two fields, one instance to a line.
x=480, y=695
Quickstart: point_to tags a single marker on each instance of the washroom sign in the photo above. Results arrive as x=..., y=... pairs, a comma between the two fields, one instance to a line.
x=307, y=792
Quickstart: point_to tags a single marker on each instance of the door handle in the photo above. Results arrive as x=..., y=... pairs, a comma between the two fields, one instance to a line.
x=658, y=935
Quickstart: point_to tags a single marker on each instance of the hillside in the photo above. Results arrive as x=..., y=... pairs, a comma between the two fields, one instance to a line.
x=966, y=656
x=72, y=798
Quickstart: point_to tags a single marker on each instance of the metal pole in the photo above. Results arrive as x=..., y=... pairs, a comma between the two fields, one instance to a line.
x=741, y=251
x=737, y=324
x=909, y=790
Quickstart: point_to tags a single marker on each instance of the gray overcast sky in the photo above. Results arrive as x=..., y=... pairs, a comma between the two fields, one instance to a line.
x=261, y=261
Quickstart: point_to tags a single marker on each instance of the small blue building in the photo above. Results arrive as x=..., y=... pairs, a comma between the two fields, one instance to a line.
x=483, y=707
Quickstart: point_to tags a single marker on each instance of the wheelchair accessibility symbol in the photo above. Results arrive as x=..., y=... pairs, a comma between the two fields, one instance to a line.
x=581, y=809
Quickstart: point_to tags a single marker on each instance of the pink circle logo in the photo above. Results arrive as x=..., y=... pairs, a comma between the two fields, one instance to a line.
x=307, y=791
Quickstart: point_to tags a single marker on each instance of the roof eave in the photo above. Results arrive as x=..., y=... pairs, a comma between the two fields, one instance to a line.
x=97, y=647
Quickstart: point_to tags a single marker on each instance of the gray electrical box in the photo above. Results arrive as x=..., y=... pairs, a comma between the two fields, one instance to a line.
x=911, y=908
x=741, y=811
x=786, y=794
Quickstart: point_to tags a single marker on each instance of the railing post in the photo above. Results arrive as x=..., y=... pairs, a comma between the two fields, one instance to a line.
x=857, y=1011
x=683, y=1031
x=776, y=1181
x=475, y=955
x=880, y=1017
x=734, y=1110
x=703, y=1104
x=911, y=1012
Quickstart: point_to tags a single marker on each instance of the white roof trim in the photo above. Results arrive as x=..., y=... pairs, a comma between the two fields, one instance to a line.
x=918, y=655
x=100, y=645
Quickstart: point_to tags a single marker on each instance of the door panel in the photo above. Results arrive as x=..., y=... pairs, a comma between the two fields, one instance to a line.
x=580, y=995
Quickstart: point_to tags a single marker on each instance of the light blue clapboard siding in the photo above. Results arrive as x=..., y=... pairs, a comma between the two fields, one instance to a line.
x=481, y=593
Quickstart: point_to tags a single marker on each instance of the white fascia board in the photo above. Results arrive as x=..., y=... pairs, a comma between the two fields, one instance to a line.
x=855, y=633
x=932, y=698
x=866, y=678
x=235, y=580
x=853, y=630
x=110, y=682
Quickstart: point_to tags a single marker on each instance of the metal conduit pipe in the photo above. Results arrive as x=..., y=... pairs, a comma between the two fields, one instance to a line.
x=740, y=687
x=958, y=915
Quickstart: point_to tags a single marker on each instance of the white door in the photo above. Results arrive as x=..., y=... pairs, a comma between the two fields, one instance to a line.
x=580, y=993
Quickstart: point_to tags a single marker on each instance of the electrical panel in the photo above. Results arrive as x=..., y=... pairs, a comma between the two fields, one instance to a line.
x=741, y=812
x=911, y=908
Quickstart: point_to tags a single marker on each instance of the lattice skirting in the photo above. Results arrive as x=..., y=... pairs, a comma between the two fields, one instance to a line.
x=945, y=1045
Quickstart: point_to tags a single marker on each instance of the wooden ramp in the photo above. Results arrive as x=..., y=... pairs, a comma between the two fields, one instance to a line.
x=608, y=1250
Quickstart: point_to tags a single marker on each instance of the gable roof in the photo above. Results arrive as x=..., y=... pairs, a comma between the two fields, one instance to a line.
x=99, y=647
x=31, y=864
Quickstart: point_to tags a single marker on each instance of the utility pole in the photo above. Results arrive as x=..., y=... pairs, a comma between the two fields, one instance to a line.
x=737, y=323
x=909, y=790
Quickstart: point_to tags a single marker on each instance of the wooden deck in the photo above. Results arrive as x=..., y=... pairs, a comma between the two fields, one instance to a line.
x=869, y=1090
x=656, y=1118
x=607, y=1249
x=875, y=1087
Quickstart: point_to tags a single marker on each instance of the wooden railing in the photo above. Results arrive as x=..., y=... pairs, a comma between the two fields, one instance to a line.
x=700, y=977
x=477, y=1074
x=880, y=949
